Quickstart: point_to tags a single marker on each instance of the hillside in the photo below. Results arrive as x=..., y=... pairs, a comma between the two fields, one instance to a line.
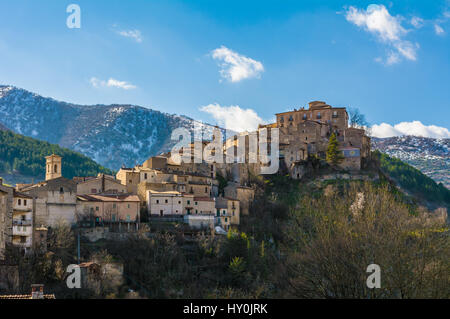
x=429, y=155
x=22, y=159
x=413, y=181
x=111, y=135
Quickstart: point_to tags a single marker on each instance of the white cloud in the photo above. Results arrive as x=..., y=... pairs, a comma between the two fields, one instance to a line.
x=417, y=22
x=234, y=117
x=410, y=128
x=111, y=83
x=438, y=29
x=236, y=67
x=134, y=34
x=388, y=29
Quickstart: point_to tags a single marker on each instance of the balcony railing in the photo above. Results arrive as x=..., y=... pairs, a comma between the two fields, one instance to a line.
x=22, y=230
x=22, y=222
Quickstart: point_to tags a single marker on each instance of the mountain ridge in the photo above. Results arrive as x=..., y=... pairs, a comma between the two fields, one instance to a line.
x=111, y=135
x=429, y=155
x=128, y=134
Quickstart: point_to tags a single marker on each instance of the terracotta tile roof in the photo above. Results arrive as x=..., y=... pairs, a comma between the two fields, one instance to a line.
x=48, y=296
x=109, y=198
x=204, y=199
x=21, y=195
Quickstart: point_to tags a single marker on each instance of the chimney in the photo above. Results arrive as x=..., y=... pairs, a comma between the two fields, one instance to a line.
x=37, y=291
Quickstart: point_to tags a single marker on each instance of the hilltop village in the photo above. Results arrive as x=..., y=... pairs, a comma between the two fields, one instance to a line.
x=166, y=190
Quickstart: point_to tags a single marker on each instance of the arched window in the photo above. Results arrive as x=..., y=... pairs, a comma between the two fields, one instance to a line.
x=55, y=169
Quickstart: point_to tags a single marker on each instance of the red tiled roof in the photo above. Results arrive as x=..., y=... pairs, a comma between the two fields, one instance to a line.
x=109, y=198
x=203, y=199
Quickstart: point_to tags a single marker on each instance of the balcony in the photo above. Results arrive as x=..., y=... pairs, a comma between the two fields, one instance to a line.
x=22, y=208
x=22, y=230
x=20, y=222
x=23, y=244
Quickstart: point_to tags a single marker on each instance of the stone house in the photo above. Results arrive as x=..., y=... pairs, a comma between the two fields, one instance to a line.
x=55, y=198
x=104, y=208
x=102, y=184
x=6, y=214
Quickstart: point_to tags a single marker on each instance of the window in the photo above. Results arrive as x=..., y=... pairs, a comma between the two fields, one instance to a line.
x=224, y=212
x=166, y=201
x=128, y=218
x=206, y=189
x=97, y=208
x=114, y=205
x=61, y=190
x=291, y=118
x=131, y=182
x=179, y=202
x=196, y=203
x=128, y=205
x=19, y=202
x=145, y=176
x=157, y=201
x=305, y=116
x=196, y=211
x=319, y=116
x=56, y=168
x=335, y=114
x=189, y=202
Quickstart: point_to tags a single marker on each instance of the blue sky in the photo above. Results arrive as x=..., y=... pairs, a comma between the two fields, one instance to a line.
x=238, y=62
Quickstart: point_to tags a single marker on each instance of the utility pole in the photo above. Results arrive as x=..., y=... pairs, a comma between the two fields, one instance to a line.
x=78, y=248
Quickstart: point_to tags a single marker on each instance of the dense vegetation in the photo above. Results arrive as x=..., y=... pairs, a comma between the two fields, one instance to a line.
x=26, y=156
x=301, y=240
x=412, y=180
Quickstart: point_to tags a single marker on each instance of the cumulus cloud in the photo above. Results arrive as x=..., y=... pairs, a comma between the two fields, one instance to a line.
x=417, y=22
x=438, y=29
x=377, y=20
x=233, y=117
x=410, y=128
x=97, y=83
x=236, y=67
x=133, y=34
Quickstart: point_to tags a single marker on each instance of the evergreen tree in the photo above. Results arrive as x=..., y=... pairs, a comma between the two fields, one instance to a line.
x=334, y=156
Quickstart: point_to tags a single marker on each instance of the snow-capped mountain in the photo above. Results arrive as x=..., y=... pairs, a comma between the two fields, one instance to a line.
x=429, y=155
x=111, y=135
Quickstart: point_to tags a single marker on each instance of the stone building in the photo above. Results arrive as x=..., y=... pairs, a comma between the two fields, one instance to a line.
x=55, y=198
x=306, y=132
x=109, y=208
x=22, y=221
x=102, y=184
x=6, y=213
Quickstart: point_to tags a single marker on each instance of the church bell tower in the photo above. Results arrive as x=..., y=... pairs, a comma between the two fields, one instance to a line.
x=53, y=167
